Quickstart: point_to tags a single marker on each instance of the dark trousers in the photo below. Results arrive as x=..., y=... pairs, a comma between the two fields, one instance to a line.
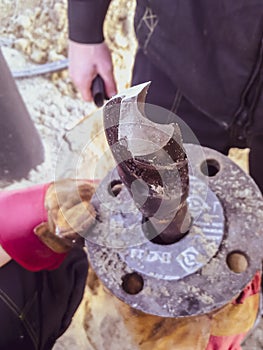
x=37, y=307
x=210, y=133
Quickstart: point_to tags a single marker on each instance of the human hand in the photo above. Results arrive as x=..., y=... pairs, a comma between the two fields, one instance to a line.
x=4, y=257
x=69, y=214
x=21, y=210
x=86, y=61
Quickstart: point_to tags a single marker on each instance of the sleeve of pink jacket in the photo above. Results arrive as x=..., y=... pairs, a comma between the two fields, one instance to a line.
x=20, y=212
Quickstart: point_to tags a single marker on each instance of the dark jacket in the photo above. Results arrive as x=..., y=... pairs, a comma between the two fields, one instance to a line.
x=211, y=49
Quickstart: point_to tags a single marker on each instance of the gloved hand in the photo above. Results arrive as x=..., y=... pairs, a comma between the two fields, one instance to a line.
x=22, y=211
x=70, y=213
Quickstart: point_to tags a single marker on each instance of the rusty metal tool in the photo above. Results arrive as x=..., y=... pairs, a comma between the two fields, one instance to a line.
x=156, y=174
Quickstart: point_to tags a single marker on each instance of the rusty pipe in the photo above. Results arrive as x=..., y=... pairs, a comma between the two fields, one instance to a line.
x=151, y=162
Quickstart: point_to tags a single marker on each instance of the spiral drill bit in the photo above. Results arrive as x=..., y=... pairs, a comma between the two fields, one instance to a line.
x=152, y=164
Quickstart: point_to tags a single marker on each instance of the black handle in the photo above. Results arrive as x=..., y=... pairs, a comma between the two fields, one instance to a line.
x=98, y=91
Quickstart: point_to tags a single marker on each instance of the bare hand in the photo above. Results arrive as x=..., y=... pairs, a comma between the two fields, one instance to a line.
x=85, y=62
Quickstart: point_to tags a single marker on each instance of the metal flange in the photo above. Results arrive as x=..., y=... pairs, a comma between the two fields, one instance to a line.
x=203, y=271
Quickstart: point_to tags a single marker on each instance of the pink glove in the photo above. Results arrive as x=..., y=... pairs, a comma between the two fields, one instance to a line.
x=20, y=212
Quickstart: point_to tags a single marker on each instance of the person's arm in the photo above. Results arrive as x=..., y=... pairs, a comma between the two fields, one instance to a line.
x=20, y=212
x=41, y=223
x=85, y=19
x=88, y=53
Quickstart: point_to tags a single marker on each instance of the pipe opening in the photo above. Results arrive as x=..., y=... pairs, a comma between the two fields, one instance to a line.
x=155, y=237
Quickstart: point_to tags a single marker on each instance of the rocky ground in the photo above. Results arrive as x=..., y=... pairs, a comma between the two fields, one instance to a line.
x=34, y=32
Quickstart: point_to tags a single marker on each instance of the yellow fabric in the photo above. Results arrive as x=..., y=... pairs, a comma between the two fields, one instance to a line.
x=157, y=333
x=235, y=319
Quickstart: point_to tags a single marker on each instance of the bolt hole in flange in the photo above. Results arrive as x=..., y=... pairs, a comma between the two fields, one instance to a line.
x=132, y=283
x=115, y=187
x=210, y=167
x=237, y=262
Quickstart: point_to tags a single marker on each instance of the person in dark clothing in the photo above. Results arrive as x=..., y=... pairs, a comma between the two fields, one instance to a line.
x=36, y=308
x=43, y=268
x=204, y=58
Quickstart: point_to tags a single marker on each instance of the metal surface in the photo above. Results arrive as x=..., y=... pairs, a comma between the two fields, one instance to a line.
x=170, y=290
x=151, y=162
x=194, y=250
x=168, y=262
